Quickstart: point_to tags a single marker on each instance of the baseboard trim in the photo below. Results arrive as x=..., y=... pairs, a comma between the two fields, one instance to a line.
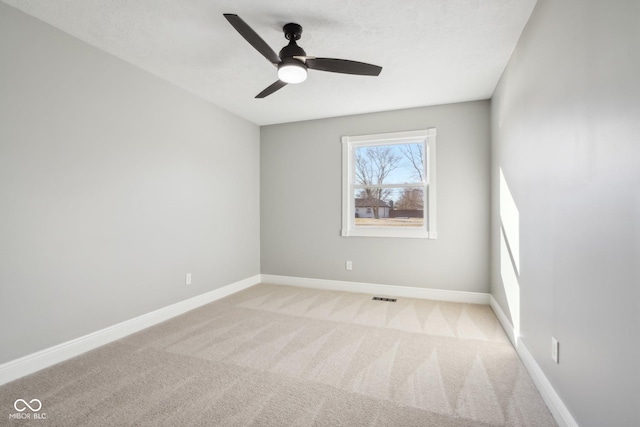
x=34, y=362
x=556, y=405
x=504, y=321
x=375, y=288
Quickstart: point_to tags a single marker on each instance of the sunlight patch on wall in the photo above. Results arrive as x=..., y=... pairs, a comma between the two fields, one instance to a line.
x=510, y=219
x=510, y=283
x=510, y=251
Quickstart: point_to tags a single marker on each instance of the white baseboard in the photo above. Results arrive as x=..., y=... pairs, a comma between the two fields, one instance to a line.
x=555, y=404
x=504, y=321
x=31, y=363
x=374, y=288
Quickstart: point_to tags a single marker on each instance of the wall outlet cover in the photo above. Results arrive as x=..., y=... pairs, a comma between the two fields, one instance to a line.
x=555, y=350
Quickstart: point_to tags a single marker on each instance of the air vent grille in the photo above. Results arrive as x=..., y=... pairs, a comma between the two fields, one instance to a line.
x=384, y=299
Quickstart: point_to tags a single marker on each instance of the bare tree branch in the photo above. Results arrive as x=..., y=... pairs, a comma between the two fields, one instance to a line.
x=414, y=153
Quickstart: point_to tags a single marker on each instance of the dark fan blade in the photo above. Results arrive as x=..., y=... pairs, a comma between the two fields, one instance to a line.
x=274, y=87
x=252, y=37
x=343, y=66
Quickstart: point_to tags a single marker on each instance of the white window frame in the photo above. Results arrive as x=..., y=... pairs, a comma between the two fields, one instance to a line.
x=349, y=145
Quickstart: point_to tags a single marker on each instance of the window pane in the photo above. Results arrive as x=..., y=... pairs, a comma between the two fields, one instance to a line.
x=389, y=207
x=389, y=164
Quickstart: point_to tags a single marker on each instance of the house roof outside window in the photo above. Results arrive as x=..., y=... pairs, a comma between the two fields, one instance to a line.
x=368, y=203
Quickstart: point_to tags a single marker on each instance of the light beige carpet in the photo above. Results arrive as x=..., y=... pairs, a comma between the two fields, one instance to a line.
x=279, y=356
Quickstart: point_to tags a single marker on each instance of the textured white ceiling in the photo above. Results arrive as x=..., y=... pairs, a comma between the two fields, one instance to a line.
x=432, y=51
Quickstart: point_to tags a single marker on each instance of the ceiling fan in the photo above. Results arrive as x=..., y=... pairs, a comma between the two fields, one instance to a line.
x=292, y=61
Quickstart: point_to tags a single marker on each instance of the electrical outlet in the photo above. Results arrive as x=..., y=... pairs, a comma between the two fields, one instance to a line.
x=555, y=350
x=187, y=279
x=348, y=265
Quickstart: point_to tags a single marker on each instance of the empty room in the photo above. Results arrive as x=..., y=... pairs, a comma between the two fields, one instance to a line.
x=338, y=213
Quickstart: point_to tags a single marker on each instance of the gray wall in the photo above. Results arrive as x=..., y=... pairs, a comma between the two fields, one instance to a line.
x=566, y=134
x=113, y=185
x=301, y=167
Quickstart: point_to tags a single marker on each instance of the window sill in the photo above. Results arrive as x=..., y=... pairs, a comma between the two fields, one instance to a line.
x=389, y=232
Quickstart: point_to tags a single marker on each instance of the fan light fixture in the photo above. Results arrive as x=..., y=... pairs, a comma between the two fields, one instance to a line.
x=292, y=71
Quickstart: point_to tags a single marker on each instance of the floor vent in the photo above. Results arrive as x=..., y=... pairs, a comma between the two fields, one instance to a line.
x=384, y=299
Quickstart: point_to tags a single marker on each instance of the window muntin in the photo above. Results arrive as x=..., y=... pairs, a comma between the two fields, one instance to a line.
x=389, y=185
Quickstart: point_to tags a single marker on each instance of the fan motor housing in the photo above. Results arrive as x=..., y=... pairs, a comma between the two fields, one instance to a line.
x=290, y=50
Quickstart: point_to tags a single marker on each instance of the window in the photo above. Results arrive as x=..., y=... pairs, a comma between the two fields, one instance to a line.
x=388, y=184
